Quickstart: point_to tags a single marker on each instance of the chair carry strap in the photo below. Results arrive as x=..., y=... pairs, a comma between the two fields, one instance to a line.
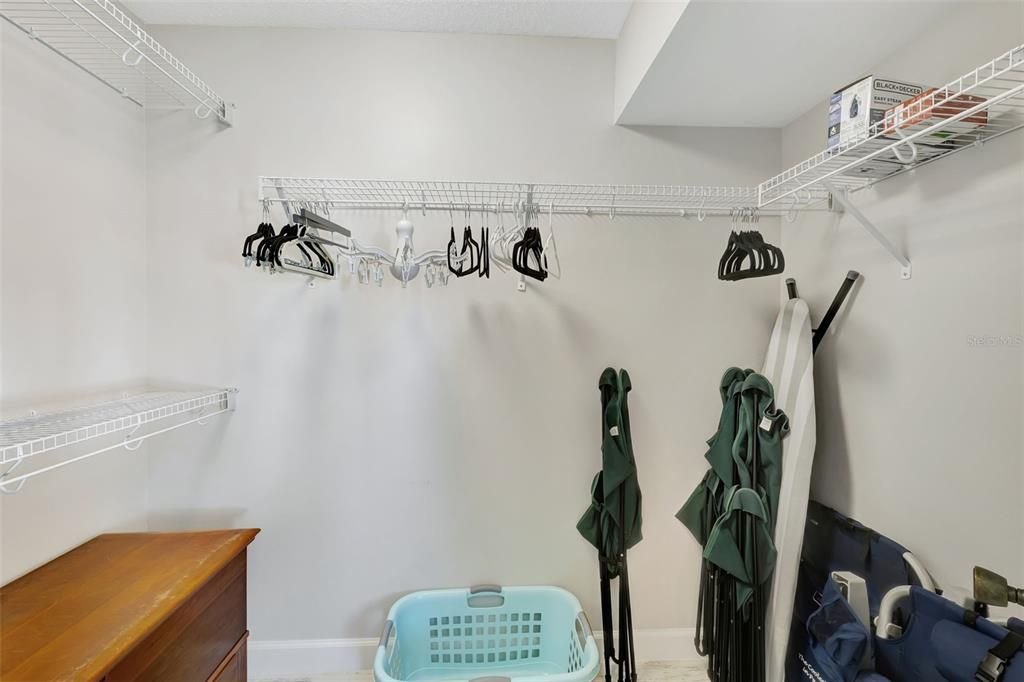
x=994, y=664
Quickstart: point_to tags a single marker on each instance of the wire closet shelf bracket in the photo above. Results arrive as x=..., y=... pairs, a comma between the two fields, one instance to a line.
x=104, y=41
x=50, y=435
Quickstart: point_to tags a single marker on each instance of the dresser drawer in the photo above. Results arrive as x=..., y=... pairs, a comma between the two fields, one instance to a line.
x=234, y=668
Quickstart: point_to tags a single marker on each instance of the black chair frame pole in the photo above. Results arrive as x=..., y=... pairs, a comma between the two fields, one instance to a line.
x=833, y=309
x=606, y=620
x=626, y=648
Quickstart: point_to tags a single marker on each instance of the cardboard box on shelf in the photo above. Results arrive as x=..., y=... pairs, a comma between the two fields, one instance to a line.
x=853, y=109
x=932, y=106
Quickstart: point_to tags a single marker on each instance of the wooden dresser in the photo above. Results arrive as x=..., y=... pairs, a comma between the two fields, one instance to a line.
x=131, y=606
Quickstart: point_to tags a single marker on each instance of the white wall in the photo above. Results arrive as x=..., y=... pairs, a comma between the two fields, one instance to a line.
x=644, y=34
x=72, y=286
x=919, y=430
x=390, y=440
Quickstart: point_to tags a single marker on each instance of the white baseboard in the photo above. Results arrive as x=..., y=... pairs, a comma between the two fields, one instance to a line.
x=667, y=644
x=298, y=657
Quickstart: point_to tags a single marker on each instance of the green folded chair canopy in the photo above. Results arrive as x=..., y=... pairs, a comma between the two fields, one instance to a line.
x=732, y=511
x=704, y=507
x=741, y=543
x=612, y=523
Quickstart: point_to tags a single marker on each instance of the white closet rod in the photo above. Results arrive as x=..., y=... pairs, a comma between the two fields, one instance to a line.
x=609, y=210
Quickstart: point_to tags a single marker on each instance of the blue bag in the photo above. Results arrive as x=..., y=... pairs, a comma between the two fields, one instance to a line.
x=839, y=642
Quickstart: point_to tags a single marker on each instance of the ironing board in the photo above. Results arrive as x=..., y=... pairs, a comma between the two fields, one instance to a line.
x=790, y=368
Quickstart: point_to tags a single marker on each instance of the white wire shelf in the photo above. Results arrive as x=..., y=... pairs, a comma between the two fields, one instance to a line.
x=433, y=195
x=31, y=436
x=981, y=105
x=100, y=38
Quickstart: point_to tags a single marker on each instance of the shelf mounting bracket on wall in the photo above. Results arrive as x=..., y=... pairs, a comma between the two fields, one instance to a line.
x=841, y=196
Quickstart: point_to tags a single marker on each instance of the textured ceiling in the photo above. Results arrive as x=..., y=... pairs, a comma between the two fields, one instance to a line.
x=568, y=18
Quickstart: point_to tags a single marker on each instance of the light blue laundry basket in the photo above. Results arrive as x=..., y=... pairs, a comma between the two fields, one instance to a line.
x=487, y=634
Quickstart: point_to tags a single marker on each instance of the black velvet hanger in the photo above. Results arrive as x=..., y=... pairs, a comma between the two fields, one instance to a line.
x=263, y=232
x=289, y=233
x=748, y=255
x=469, y=256
x=530, y=245
x=485, y=252
x=266, y=247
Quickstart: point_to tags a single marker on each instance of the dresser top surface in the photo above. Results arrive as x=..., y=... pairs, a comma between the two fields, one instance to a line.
x=80, y=613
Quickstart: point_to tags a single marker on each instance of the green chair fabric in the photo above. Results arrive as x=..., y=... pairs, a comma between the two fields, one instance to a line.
x=732, y=511
x=613, y=521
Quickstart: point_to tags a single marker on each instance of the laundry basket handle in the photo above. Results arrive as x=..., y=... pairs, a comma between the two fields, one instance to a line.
x=588, y=631
x=389, y=627
x=477, y=589
x=485, y=596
